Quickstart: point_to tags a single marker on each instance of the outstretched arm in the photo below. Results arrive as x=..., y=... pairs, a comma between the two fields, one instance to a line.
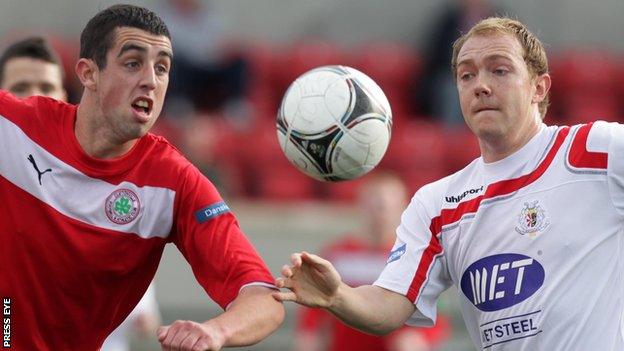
x=251, y=317
x=314, y=282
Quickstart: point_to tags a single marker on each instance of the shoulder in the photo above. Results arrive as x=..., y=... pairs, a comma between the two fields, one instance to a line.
x=590, y=143
x=450, y=190
x=33, y=108
x=172, y=167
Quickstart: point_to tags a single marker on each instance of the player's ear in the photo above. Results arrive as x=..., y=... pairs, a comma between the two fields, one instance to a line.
x=542, y=86
x=87, y=71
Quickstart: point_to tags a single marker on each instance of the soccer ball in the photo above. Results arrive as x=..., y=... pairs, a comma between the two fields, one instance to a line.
x=334, y=123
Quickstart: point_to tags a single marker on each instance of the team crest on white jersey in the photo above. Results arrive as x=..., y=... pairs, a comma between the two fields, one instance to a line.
x=122, y=206
x=532, y=220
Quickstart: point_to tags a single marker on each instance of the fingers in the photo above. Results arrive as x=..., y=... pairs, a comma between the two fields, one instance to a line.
x=189, y=341
x=161, y=333
x=285, y=296
x=188, y=335
x=295, y=259
x=287, y=271
x=306, y=256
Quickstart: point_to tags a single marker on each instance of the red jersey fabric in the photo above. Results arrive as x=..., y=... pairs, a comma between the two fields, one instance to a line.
x=81, y=238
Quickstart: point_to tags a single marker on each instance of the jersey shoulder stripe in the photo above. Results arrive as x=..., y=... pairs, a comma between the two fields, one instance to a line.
x=125, y=207
x=579, y=157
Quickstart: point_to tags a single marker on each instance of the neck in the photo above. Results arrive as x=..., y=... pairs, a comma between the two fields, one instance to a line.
x=496, y=148
x=95, y=136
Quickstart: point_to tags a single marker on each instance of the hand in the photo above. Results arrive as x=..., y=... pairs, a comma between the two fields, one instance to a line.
x=312, y=281
x=190, y=336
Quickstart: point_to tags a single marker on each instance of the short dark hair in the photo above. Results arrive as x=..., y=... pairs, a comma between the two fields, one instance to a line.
x=33, y=47
x=98, y=35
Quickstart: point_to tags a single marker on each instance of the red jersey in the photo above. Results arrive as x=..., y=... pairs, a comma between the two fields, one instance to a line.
x=358, y=263
x=81, y=238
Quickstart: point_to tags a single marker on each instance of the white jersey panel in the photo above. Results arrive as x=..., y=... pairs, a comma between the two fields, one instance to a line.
x=533, y=243
x=146, y=211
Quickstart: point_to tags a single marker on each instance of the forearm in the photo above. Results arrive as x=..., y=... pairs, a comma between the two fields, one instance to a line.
x=370, y=308
x=252, y=316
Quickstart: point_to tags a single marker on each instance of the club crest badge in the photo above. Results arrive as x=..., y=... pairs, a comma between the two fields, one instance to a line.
x=532, y=220
x=122, y=206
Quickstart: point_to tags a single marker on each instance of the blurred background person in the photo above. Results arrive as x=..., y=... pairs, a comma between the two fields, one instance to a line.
x=360, y=259
x=206, y=75
x=31, y=67
x=436, y=94
x=142, y=321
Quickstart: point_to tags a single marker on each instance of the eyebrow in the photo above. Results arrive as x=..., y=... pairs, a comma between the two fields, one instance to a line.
x=142, y=49
x=489, y=58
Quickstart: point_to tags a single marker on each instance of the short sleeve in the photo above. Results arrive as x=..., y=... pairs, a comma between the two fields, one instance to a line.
x=615, y=165
x=208, y=235
x=598, y=146
x=416, y=266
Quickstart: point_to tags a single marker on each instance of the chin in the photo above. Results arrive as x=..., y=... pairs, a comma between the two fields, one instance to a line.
x=487, y=129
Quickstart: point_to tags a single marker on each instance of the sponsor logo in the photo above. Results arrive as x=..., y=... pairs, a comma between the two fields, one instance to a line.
x=31, y=158
x=211, y=211
x=122, y=206
x=397, y=253
x=500, y=281
x=459, y=197
x=507, y=329
x=532, y=220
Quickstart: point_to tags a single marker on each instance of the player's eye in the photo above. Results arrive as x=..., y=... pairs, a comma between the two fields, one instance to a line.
x=19, y=89
x=466, y=76
x=500, y=71
x=132, y=64
x=162, y=69
x=47, y=88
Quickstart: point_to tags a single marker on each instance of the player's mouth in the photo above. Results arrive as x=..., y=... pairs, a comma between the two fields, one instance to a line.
x=142, y=107
x=484, y=108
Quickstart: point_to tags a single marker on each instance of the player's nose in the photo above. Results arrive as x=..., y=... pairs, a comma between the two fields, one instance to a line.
x=148, y=78
x=482, y=86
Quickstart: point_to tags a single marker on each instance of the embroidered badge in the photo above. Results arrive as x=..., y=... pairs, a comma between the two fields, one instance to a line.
x=122, y=206
x=532, y=220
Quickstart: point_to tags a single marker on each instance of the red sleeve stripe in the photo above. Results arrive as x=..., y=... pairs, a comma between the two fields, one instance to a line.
x=579, y=157
x=452, y=215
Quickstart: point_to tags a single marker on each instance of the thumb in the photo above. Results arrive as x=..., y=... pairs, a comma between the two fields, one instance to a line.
x=313, y=259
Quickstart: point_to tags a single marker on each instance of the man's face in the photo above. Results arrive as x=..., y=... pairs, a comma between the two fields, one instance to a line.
x=382, y=201
x=26, y=76
x=131, y=88
x=496, y=92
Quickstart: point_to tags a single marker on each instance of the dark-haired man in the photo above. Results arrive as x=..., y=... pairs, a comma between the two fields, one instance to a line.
x=31, y=67
x=90, y=199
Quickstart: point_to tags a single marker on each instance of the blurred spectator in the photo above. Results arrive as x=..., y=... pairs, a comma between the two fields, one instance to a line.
x=359, y=259
x=205, y=75
x=31, y=67
x=143, y=320
x=203, y=141
x=436, y=92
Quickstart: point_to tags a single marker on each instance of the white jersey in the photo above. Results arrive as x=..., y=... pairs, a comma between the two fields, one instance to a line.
x=119, y=339
x=533, y=243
